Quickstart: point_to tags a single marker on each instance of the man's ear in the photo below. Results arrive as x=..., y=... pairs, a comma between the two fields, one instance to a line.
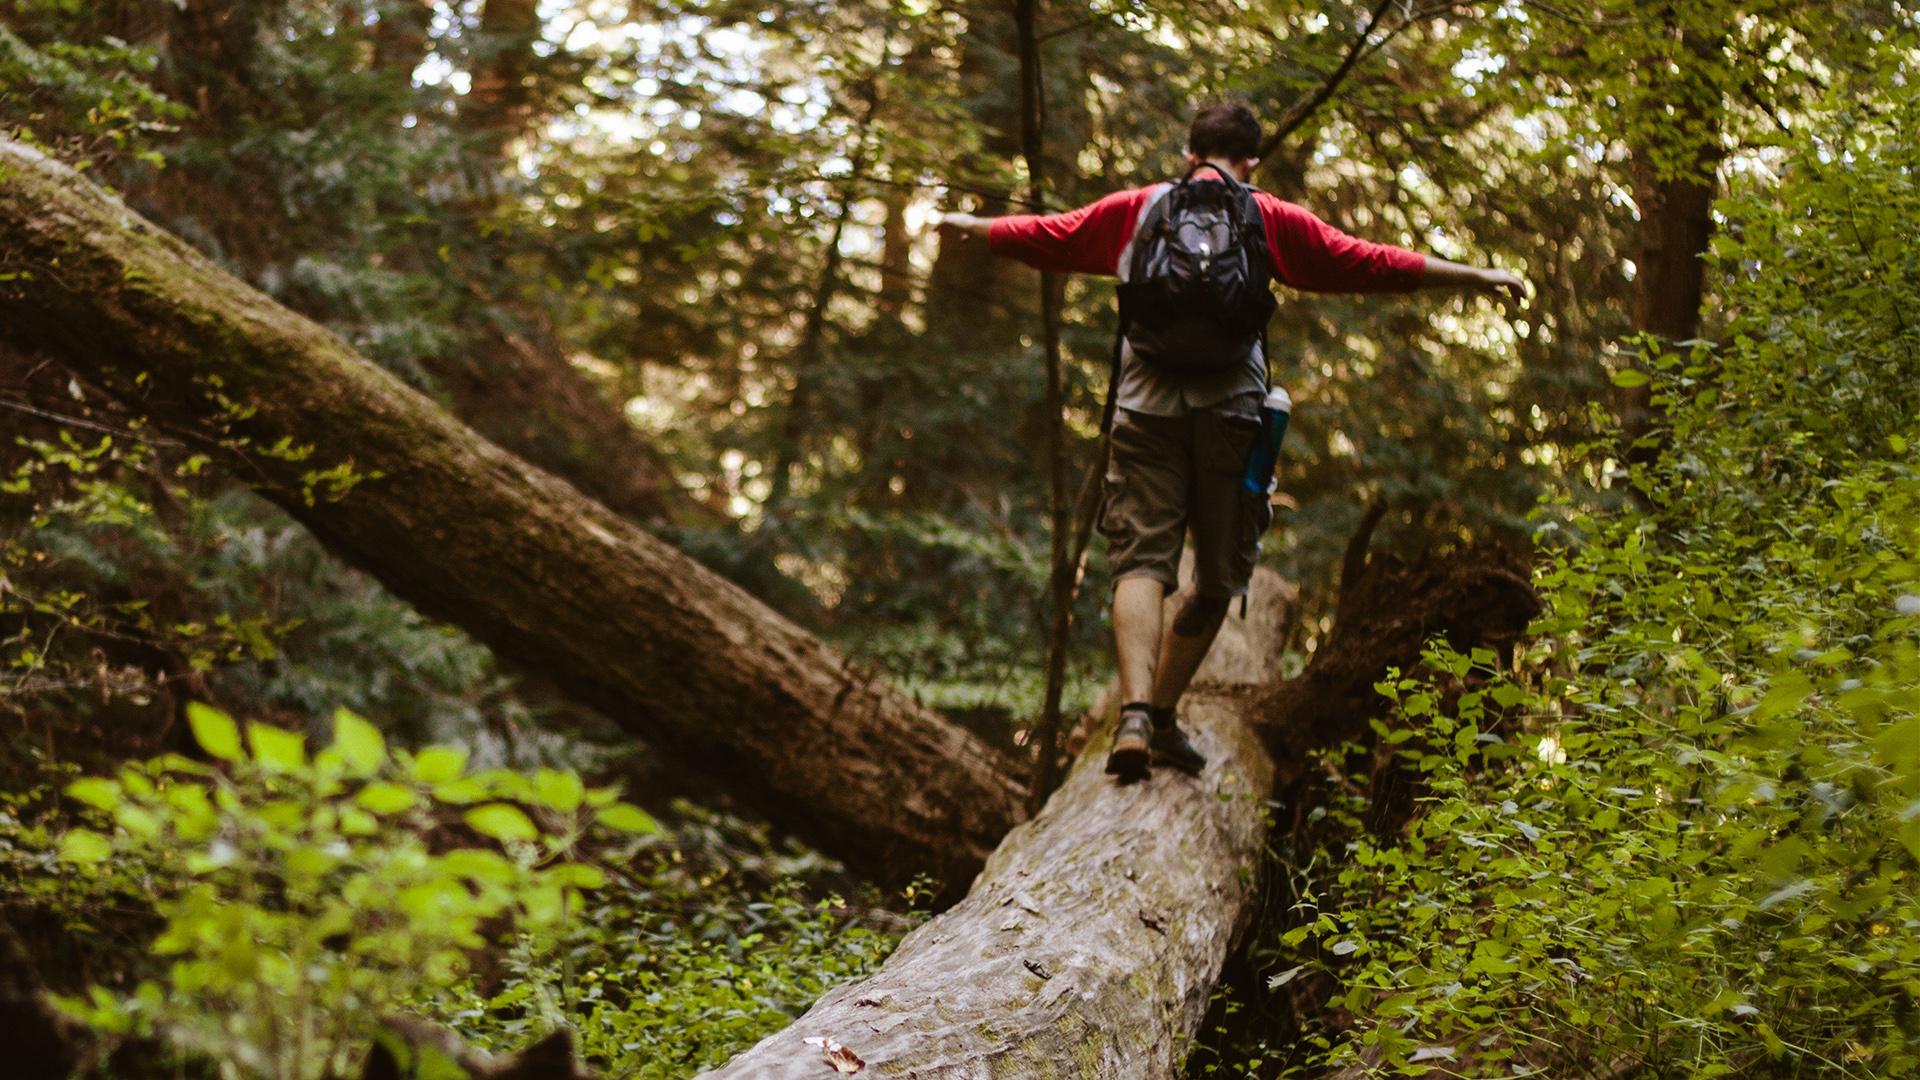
x=1247, y=166
x=1192, y=159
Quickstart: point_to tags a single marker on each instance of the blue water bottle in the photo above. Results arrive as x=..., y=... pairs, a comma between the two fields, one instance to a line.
x=1274, y=412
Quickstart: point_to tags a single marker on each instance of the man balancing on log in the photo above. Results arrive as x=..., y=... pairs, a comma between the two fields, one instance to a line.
x=1185, y=417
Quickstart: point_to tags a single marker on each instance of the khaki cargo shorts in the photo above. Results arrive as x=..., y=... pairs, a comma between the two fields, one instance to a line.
x=1169, y=474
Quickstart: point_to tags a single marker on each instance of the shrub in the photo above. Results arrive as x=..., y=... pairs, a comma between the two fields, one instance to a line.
x=1683, y=835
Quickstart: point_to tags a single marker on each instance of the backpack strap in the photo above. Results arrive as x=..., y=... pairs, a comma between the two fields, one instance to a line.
x=1154, y=212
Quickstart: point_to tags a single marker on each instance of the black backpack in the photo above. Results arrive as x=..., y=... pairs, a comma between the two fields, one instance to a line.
x=1196, y=298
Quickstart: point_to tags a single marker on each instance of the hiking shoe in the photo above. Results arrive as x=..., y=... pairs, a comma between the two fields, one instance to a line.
x=1130, y=754
x=1170, y=748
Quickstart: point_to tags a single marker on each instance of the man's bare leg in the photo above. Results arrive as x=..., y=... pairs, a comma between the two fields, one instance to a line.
x=1136, y=633
x=1184, y=646
x=1136, y=639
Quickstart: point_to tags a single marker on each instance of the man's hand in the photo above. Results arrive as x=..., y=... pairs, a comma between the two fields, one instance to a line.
x=971, y=224
x=1502, y=283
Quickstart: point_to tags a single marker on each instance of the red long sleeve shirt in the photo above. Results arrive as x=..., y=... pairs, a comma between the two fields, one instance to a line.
x=1308, y=253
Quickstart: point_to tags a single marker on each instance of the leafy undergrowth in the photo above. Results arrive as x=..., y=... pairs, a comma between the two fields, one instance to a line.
x=298, y=898
x=1681, y=836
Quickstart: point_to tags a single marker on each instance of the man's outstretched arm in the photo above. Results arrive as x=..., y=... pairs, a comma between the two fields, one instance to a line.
x=1087, y=240
x=1446, y=274
x=1312, y=255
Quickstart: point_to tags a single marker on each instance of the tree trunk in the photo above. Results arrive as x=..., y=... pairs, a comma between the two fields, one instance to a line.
x=400, y=36
x=520, y=391
x=513, y=382
x=1088, y=947
x=473, y=535
x=1676, y=223
x=501, y=101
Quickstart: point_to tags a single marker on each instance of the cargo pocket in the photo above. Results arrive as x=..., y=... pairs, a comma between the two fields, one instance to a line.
x=1224, y=441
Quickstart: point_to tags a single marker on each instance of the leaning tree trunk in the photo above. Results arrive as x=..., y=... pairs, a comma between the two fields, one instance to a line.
x=473, y=535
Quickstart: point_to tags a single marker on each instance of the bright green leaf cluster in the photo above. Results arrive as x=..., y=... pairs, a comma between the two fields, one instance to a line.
x=301, y=895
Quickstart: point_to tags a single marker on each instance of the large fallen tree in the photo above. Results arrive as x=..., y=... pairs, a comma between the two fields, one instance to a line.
x=1092, y=940
x=473, y=535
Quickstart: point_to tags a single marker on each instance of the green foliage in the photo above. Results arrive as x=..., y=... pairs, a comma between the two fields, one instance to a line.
x=91, y=99
x=297, y=898
x=658, y=990
x=302, y=897
x=1684, y=831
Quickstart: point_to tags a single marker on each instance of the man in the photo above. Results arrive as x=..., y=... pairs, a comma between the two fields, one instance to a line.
x=1179, y=441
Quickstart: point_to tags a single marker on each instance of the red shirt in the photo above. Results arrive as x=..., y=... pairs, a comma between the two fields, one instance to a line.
x=1308, y=253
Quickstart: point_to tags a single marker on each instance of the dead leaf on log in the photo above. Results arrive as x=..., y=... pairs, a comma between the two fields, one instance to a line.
x=1154, y=920
x=836, y=1054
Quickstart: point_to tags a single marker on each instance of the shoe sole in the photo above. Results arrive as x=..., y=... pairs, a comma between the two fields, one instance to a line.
x=1129, y=759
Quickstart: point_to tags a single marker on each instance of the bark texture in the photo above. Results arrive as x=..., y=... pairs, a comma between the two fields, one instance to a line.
x=476, y=536
x=1088, y=947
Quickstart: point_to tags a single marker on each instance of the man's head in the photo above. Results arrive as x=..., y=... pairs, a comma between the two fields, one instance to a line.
x=1228, y=133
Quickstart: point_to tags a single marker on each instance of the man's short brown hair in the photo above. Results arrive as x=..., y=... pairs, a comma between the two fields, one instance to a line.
x=1228, y=130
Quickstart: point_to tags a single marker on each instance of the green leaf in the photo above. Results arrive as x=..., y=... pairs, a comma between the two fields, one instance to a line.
x=1630, y=378
x=357, y=822
x=1910, y=838
x=439, y=764
x=85, y=847
x=628, y=819
x=97, y=792
x=385, y=797
x=486, y=867
x=358, y=743
x=559, y=791
x=578, y=875
x=215, y=731
x=276, y=748
x=501, y=821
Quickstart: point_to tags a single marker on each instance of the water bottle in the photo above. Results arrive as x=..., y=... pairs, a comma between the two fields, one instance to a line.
x=1274, y=412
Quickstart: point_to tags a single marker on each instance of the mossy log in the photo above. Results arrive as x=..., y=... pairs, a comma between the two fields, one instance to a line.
x=473, y=535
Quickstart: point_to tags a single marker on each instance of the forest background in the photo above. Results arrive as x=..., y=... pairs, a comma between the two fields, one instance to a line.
x=684, y=256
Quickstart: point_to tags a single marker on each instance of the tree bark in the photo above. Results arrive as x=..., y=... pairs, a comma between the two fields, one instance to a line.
x=1091, y=943
x=501, y=100
x=519, y=391
x=473, y=535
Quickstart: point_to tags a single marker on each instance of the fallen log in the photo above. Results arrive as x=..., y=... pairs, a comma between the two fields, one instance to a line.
x=473, y=535
x=1243, y=655
x=1092, y=941
x=1089, y=946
